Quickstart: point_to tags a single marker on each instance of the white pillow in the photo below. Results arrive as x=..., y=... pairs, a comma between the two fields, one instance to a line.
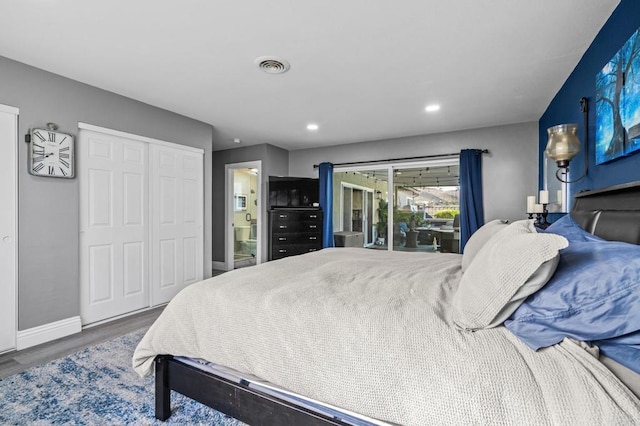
x=479, y=239
x=513, y=264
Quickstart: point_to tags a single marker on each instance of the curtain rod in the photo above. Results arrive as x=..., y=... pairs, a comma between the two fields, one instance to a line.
x=422, y=157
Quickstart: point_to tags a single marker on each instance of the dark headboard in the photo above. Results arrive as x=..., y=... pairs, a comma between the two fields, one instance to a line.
x=612, y=213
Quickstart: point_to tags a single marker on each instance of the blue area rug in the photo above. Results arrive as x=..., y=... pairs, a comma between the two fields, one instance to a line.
x=96, y=386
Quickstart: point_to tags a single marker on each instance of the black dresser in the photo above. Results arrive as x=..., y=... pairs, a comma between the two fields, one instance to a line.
x=294, y=231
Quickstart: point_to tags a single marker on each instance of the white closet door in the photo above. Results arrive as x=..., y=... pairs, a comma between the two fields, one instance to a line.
x=176, y=220
x=8, y=227
x=114, y=226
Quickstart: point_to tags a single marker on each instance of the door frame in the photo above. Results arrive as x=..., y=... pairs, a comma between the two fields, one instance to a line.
x=229, y=211
x=390, y=167
x=366, y=220
x=13, y=274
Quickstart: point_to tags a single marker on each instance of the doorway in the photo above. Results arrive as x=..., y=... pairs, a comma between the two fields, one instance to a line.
x=244, y=207
x=8, y=226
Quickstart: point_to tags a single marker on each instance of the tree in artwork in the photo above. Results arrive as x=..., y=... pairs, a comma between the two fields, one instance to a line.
x=618, y=103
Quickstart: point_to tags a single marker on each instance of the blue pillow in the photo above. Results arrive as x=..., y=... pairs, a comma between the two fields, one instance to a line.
x=593, y=295
x=569, y=229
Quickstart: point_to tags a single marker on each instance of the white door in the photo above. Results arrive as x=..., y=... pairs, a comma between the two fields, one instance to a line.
x=114, y=246
x=176, y=220
x=8, y=227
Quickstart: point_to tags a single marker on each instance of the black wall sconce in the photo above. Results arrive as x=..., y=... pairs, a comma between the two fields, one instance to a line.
x=564, y=144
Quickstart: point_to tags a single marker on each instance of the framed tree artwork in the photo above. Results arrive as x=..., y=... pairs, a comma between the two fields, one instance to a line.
x=618, y=103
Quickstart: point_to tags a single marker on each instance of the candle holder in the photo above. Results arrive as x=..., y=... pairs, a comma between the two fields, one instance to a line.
x=539, y=211
x=541, y=218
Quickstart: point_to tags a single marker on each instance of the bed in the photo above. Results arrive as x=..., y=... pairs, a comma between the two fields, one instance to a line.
x=356, y=336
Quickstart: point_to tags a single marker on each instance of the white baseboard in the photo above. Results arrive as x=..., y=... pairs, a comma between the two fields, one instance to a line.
x=48, y=332
x=219, y=266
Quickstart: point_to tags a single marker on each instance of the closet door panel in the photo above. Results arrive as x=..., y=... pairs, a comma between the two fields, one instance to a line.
x=168, y=264
x=133, y=193
x=167, y=199
x=177, y=220
x=134, y=261
x=189, y=259
x=113, y=226
x=100, y=273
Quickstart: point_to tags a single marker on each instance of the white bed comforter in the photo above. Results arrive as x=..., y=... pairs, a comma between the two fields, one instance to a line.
x=370, y=331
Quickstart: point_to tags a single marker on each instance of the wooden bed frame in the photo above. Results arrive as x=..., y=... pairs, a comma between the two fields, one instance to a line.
x=612, y=213
x=234, y=399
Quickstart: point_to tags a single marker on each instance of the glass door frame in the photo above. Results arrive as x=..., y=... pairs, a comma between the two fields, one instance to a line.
x=390, y=167
x=367, y=222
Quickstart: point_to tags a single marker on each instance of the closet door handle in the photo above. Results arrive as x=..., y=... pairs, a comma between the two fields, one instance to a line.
x=282, y=251
x=282, y=238
x=283, y=226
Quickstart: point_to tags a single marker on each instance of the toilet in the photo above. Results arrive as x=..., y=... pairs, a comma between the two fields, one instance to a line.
x=244, y=243
x=242, y=233
x=251, y=242
x=249, y=247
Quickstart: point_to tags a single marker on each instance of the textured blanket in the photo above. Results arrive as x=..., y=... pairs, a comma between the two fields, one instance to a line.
x=370, y=331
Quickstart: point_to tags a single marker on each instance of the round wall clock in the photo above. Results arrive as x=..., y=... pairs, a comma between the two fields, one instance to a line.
x=51, y=153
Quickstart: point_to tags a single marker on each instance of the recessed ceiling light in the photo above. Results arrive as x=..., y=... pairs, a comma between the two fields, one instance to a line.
x=432, y=108
x=236, y=140
x=312, y=126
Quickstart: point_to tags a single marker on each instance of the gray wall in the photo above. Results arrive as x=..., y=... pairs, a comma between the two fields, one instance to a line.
x=275, y=162
x=48, y=283
x=509, y=171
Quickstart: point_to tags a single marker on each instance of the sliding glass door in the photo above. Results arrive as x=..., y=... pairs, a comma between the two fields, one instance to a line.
x=357, y=211
x=356, y=204
x=425, y=203
x=407, y=207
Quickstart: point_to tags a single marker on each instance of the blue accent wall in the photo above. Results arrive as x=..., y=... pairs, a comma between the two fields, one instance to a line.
x=565, y=107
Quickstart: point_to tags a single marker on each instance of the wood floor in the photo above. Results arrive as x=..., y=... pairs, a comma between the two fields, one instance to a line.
x=18, y=361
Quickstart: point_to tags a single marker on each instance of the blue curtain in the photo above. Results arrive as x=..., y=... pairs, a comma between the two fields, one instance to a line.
x=326, y=203
x=471, y=207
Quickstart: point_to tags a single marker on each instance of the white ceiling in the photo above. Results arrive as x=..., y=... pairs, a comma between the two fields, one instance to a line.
x=360, y=69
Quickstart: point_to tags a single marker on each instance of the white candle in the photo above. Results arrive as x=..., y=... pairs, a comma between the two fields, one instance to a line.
x=544, y=197
x=531, y=201
x=538, y=208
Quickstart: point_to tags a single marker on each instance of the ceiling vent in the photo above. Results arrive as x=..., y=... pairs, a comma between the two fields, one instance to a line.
x=272, y=65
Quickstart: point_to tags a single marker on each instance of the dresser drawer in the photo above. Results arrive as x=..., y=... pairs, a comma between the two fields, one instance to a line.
x=310, y=238
x=301, y=226
x=294, y=232
x=292, y=250
x=296, y=216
